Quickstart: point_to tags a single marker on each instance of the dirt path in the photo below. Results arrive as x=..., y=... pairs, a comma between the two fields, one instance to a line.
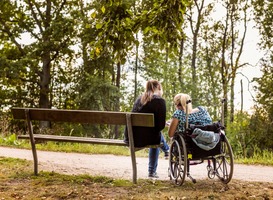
x=120, y=166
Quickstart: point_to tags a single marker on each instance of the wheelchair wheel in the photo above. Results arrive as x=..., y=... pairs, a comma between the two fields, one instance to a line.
x=224, y=162
x=178, y=160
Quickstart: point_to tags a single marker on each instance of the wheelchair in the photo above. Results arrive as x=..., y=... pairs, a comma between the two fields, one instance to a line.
x=184, y=153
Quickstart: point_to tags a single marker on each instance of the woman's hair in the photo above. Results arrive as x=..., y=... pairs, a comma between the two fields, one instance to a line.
x=181, y=99
x=151, y=87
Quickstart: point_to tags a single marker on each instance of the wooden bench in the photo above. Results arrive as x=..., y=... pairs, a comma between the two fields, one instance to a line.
x=83, y=116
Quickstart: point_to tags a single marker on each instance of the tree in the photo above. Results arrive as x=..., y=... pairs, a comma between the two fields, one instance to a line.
x=264, y=21
x=236, y=47
x=264, y=108
x=232, y=48
x=195, y=26
x=117, y=22
x=50, y=27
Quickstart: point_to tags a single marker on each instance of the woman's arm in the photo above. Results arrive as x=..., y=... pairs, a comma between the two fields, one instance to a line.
x=160, y=113
x=173, y=126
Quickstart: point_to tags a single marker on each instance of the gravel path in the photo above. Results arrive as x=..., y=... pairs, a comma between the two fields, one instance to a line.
x=121, y=167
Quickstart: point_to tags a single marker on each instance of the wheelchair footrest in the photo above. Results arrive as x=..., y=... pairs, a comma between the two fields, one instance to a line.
x=195, y=162
x=192, y=179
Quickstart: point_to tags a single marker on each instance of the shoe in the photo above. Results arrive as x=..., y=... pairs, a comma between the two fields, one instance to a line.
x=166, y=155
x=153, y=175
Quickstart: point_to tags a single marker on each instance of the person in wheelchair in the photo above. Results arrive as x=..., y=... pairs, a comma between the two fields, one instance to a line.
x=195, y=139
x=198, y=115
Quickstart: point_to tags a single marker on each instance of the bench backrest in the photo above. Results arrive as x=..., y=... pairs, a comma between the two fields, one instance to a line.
x=84, y=116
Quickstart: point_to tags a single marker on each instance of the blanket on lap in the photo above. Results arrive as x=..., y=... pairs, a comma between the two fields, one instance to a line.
x=206, y=140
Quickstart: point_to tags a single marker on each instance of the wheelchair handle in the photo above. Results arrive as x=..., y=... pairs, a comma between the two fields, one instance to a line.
x=187, y=113
x=223, y=101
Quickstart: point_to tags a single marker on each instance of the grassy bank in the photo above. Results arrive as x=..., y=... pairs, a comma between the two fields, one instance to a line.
x=11, y=141
x=18, y=182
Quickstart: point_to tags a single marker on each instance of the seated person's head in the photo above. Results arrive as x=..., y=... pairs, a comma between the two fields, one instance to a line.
x=180, y=101
x=154, y=87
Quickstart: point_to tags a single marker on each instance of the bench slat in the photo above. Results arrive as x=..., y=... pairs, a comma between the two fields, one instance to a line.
x=84, y=116
x=59, y=138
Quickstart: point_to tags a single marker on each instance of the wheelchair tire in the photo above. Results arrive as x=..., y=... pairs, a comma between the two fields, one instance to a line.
x=224, y=162
x=178, y=160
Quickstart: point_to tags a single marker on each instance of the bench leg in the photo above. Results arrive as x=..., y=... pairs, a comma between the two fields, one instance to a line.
x=132, y=147
x=133, y=158
x=32, y=141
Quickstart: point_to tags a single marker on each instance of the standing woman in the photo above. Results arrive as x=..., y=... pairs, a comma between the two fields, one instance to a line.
x=151, y=101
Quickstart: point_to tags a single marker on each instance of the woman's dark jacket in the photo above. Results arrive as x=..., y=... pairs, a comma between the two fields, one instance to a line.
x=144, y=136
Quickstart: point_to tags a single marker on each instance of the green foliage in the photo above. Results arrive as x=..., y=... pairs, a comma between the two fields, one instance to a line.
x=161, y=21
x=250, y=136
x=261, y=125
x=78, y=54
x=264, y=18
x=95, y=94
x=117, y=22
x=265, y=89
x=240, y=136
x=28, y=64
x=261, y=157
x=262, y=118
x=114, y=22
x=11, y=140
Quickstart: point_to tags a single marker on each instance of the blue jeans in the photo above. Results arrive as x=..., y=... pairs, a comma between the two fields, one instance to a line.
x=154, y=153
x=165, y=148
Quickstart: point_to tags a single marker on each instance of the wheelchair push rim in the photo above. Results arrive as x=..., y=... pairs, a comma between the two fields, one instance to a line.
x=178, y=160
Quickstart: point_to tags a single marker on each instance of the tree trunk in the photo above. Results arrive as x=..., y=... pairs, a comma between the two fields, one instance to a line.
x=224, y=70
x=117, y=103
x=232, y=95
x=233, y=38
x=242, y=96
x=235, y=66
x=195, y=32
x=44, y=101
x=180, y=65
x=45, y=76
x=136, y=71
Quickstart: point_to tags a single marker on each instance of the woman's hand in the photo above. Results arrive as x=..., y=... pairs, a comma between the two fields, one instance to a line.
x=168, y=122
x=173, y=126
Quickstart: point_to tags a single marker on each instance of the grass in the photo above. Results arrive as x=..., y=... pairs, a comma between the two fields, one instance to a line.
x=260, y=157
x=18, y=182
x=11, y=141
x=253, y=161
